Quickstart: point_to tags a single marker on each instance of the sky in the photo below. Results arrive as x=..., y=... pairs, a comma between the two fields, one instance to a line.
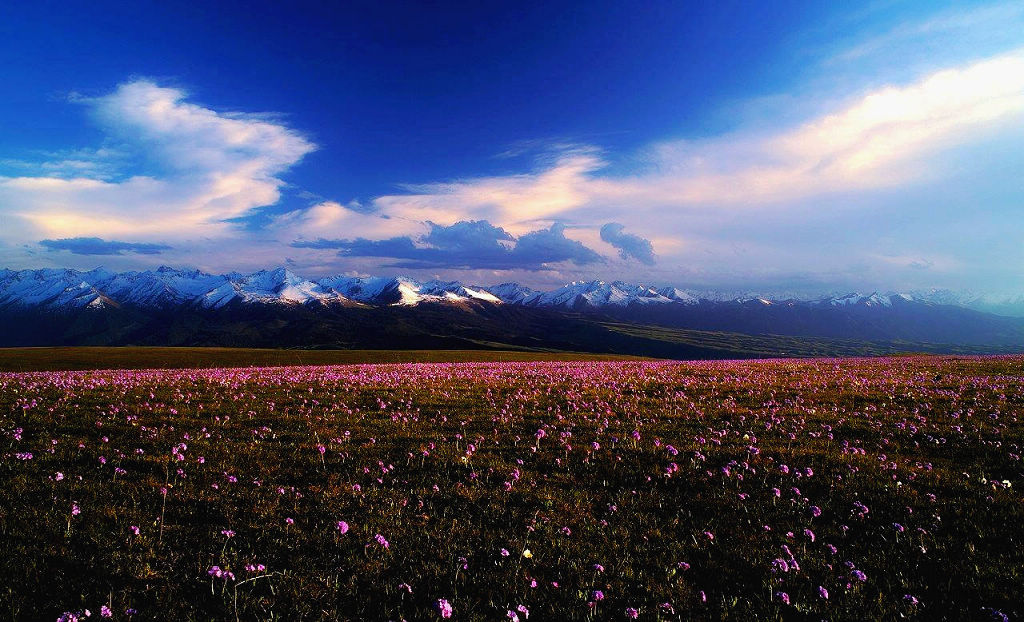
x=791, y=147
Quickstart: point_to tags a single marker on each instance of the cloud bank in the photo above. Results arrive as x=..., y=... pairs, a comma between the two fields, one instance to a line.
x=468, y=245
x=97, y=246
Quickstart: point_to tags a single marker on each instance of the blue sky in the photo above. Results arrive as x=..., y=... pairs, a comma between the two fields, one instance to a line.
x=801, y=147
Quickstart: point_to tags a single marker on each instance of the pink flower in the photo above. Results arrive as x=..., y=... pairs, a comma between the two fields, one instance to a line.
x=444, y=608
x=342, y=526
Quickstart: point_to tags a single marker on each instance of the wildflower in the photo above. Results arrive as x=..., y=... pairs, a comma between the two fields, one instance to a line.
x=134, y=529
x=105, y=612
x=504, y=553
x=75, y=510
x=227, y=533
x=523, y=610
x=598, y=567
x=809, y=534
x=343, y=528
x=598, y=595
x=527, y=554
x=859, y=575
x=783, y=597
x=444, y=608
x=911, y=600
x=379, y=538
x=815, y=511
x=822, y=592
x=632, y=613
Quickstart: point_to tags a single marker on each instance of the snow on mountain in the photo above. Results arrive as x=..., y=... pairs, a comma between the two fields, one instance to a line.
x=453, y=290
x=513, y=293
x=48, y=288
x=161, y=287
x=375, y=290
x=168, y=287
x=582, y=294
x=1010, y=305
x=870, y=300
x=677, y=295
x=281, y=285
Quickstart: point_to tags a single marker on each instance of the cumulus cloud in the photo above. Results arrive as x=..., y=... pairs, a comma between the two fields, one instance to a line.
x=203, y=167
x=98, y=246
x=467, y=245
x=629, y=245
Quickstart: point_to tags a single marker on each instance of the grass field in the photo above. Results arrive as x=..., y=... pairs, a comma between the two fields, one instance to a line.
x=81, y=358
x=881, y=489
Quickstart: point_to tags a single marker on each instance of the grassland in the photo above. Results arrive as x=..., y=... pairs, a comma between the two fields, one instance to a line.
x=83, y=358
x=882, y=489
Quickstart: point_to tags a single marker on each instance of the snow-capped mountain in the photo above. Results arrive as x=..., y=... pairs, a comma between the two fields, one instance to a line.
x=168, y=287
x=582, y=295
x=278, y=308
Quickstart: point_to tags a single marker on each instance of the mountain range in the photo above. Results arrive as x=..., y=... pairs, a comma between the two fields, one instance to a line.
x=163, y=287
x=168, y=306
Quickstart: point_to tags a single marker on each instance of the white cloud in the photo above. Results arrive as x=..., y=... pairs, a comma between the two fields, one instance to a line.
x=211, y=166
x=519, y=203
x=332, y=220
x=881, y=139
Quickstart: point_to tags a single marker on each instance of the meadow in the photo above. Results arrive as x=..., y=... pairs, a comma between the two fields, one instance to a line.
x=836, y=489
